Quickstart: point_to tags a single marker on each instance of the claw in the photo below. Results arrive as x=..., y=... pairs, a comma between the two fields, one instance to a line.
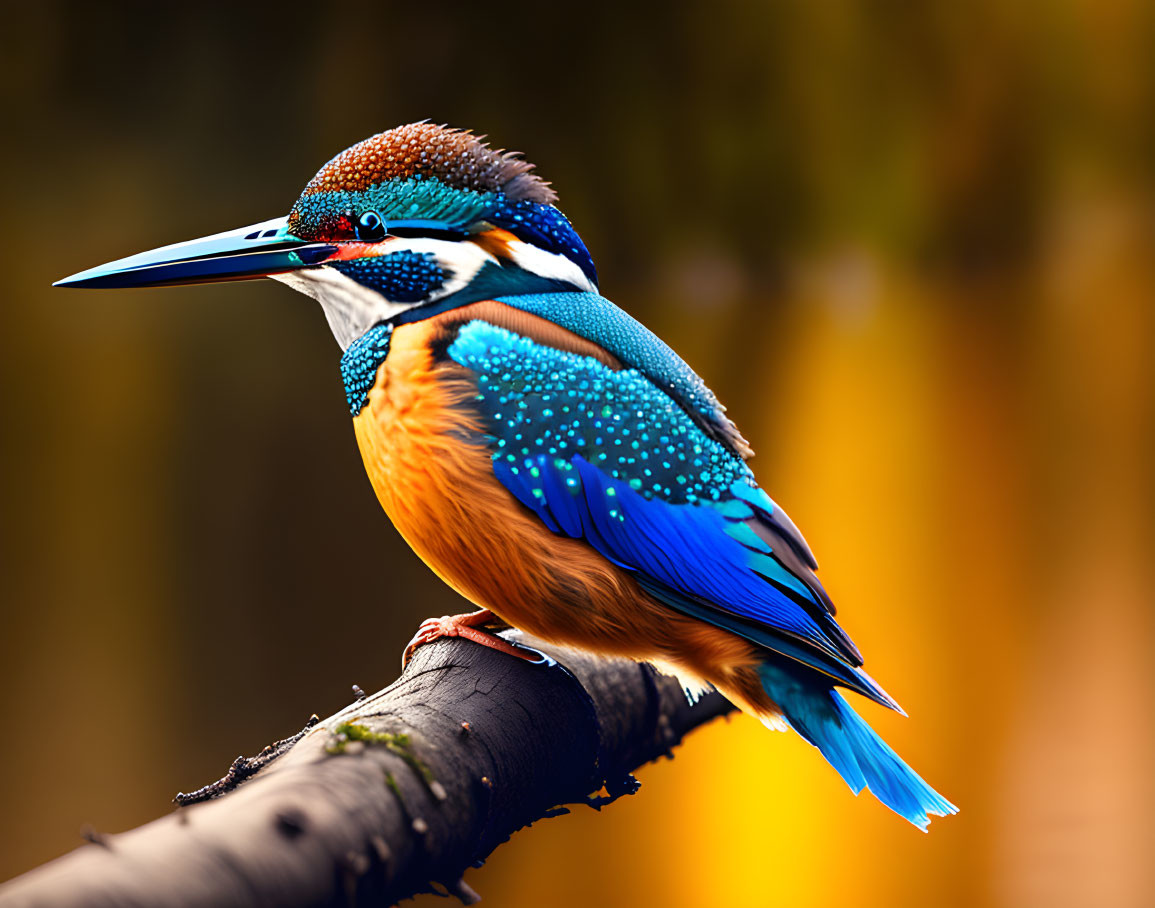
x=468, y=626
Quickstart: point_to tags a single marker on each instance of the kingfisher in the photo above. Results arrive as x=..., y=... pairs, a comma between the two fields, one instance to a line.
x=549, y=457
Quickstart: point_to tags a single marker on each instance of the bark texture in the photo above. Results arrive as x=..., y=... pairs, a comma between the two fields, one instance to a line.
x=396, y=794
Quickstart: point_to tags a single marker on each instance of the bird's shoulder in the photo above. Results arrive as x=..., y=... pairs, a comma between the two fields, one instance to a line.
x=600, y=321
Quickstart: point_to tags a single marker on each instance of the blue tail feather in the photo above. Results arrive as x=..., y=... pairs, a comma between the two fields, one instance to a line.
x=862, y=758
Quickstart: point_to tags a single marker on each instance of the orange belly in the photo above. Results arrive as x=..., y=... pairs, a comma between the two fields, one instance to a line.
x=420, y=439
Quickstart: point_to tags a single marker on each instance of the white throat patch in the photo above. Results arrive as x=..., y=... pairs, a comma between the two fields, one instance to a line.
x=350, y=308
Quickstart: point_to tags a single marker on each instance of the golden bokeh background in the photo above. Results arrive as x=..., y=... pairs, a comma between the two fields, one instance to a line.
x=912, y=247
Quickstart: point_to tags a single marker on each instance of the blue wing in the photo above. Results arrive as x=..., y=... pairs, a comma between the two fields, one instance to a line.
x=606, y=456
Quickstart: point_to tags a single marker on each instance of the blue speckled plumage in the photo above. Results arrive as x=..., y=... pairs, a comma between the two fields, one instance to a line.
x=405, y=277
x=550, y=402
x=545, y=227
x=597, y=319
x=360, y=363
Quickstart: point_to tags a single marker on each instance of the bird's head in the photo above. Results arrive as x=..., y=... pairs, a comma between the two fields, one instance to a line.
x=405, y=223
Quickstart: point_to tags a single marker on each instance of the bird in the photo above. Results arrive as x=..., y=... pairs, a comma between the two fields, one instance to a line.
x=548, y=456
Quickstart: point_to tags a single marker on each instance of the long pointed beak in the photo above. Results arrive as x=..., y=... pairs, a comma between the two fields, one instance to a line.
x=236, y=255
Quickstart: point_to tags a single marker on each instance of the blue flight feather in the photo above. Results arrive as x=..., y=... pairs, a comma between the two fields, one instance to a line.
x=847, y=675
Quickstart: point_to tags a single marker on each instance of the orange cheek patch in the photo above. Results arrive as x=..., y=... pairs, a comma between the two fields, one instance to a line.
x=495, y=241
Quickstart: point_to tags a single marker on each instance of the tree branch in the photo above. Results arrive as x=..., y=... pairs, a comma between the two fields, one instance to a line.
x=396, y=794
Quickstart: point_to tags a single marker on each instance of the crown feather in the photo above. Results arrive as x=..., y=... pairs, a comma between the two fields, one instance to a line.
x=456, y=157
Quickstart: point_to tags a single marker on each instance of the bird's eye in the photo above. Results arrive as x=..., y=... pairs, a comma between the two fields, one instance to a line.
x=370, y=227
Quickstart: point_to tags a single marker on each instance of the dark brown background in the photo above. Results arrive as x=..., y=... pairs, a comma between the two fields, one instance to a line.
x=910, y=245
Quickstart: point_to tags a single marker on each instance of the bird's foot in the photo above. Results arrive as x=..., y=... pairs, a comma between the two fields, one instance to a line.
x=470, y=627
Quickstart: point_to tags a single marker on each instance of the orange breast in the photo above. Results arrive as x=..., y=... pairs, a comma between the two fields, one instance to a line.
x=420, y=438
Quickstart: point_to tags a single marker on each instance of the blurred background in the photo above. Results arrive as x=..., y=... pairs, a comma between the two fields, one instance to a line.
x=910, y=246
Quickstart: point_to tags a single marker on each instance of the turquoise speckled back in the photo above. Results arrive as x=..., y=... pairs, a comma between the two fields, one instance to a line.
x=597, y=319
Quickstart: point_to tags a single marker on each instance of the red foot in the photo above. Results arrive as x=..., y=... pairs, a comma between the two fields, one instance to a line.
x=467, y=626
